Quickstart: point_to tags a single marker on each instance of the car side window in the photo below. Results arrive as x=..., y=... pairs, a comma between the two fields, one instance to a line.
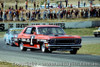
x=33, y=30
x=28, y=30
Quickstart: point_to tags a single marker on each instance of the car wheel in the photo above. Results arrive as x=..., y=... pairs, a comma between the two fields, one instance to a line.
x=73, y=52
x=43, y=48
x=50, y=51
x=32, y=49
x=96, y=35
x=22, y=48
x=11, y=44
x=5, y=42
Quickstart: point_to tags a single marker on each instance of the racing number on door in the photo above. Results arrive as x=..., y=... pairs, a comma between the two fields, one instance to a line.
x=32, y=38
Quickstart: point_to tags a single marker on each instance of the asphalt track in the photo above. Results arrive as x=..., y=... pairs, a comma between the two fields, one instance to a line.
x=55, y=59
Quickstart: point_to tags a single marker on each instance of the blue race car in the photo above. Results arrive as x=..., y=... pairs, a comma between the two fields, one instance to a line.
x=11, y=34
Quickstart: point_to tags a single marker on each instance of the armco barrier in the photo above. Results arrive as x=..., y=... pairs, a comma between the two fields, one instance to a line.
x=5, y=26
x=79, y=24
x=95, y=23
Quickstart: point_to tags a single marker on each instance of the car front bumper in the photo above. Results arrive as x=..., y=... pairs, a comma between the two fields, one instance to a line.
x=65, y=47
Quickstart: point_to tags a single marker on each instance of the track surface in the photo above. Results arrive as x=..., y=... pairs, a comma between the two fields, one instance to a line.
x=56, y=59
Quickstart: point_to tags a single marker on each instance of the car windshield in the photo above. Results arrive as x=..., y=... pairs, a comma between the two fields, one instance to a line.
x=51, y=31
x=15, y=32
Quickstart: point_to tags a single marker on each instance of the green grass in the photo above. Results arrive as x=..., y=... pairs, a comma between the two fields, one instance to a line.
x=81, y=32
x=6, y=64
x=93, y=49
x=2, y=33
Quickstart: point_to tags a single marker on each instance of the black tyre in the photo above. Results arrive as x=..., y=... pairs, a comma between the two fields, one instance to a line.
x=5, y=42
x=96, y=35
x=32, y=49
x=22, y=48
x=73, y=52
x=44, y=49
x=11, y=44
x=50, y=51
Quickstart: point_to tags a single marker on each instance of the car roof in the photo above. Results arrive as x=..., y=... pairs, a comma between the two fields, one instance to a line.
x=43, y=26
x=15, y=28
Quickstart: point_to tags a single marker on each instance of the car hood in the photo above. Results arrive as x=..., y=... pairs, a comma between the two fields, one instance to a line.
x=47, y=37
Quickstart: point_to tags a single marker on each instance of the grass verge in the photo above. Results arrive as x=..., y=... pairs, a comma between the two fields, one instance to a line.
x=2, y=33
x=6, y=64
x=81, y=32
x=93, y=49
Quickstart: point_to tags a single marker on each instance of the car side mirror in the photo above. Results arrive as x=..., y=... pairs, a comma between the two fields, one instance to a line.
x=34, y=33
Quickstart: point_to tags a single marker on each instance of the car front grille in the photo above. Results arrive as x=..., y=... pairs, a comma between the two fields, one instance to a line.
x=67, y=41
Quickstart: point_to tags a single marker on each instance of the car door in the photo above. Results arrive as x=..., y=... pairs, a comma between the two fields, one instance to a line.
x=26, y=37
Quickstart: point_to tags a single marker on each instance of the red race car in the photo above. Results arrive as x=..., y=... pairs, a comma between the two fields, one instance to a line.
x=48, y=38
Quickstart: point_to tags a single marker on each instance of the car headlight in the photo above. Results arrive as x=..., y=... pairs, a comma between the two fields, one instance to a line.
x=77, y=41
x=45, y=41
x=52, y=41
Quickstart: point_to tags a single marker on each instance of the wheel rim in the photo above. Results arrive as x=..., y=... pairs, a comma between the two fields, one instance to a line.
x=21, y=46
x=43, y=48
